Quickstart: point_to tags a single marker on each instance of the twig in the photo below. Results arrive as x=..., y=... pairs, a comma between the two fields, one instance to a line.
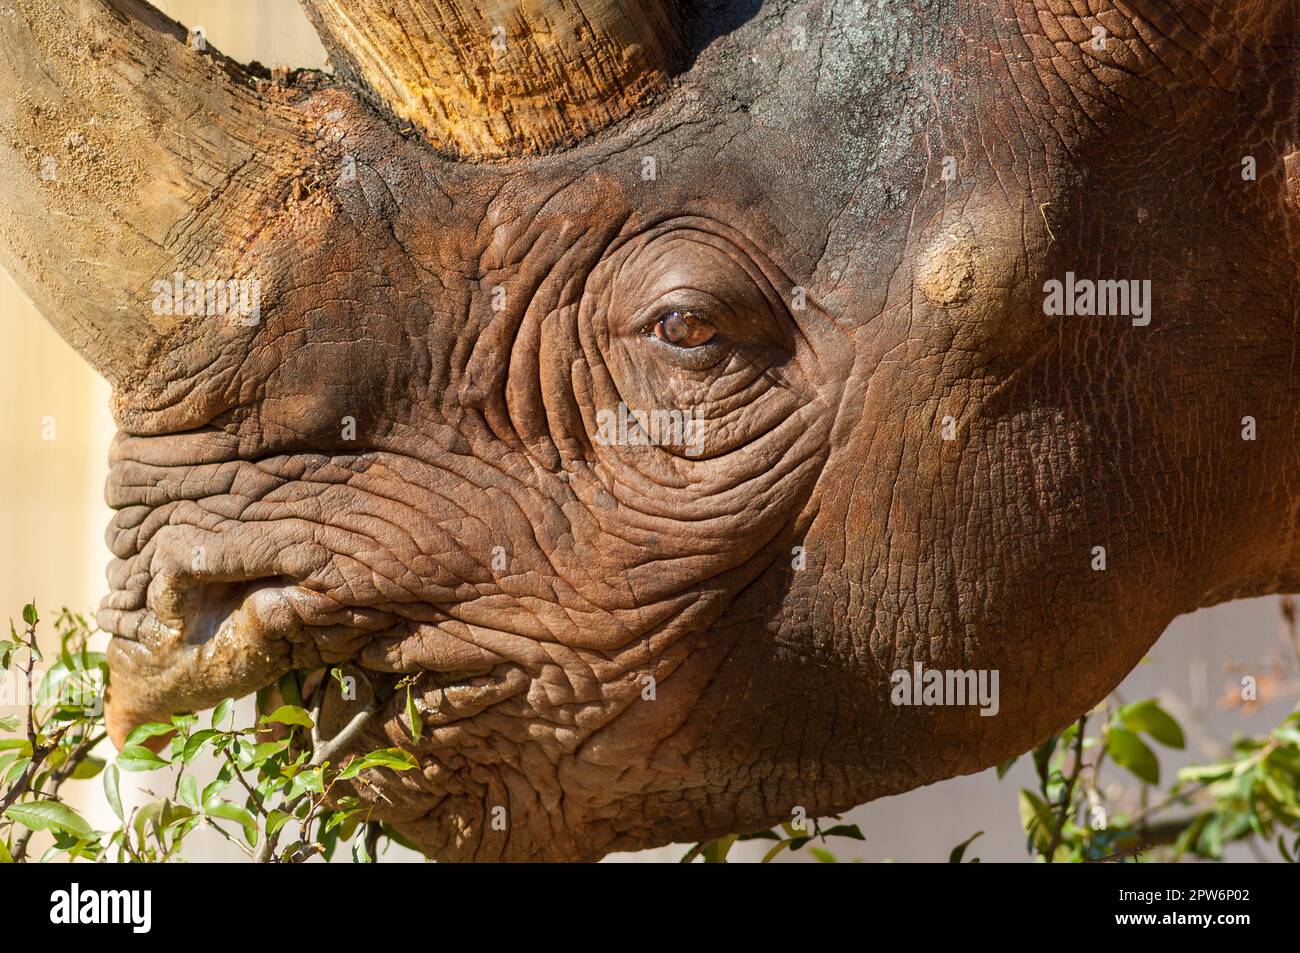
x=694, y=852
x=239, y=776
x=1120, y=855
x=60, y=774
x=323, y=750
x=39, y=752
x=349, y=733
x=1183, y=796
x=1067, y=796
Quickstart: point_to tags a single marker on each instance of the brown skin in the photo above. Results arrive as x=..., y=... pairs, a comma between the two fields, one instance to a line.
x=819, y=170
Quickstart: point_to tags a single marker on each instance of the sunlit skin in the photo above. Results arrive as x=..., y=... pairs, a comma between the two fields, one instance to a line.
x=835, y=264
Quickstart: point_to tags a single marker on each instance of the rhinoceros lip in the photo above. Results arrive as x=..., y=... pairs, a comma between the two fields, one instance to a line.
x=197, y=646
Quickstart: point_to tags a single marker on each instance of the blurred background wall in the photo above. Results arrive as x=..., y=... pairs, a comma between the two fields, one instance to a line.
x=56, y=431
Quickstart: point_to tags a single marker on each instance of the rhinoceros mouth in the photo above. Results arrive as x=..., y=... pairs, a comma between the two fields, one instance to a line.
x=199, y=643
x=195, y=646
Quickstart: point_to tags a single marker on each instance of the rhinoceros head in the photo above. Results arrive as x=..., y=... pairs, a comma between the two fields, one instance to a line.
x=671, y=390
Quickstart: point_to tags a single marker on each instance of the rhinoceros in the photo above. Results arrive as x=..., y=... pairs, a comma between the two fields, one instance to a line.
x=683, y=393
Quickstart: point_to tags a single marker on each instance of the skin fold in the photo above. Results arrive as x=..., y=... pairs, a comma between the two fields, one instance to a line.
x=903, y=459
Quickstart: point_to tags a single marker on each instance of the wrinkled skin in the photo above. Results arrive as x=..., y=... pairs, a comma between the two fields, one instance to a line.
x=820, y=170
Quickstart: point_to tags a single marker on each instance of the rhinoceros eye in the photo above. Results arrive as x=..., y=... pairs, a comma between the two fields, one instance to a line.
x=684, y=329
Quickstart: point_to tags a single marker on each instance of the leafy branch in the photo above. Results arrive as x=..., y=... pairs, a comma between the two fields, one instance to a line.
x=278, y=780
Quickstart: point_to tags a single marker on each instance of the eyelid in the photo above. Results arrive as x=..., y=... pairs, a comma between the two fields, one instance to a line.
x=656, y=316
x=703, y=305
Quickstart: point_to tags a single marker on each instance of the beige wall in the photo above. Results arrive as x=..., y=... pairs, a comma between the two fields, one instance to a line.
x=55, y=432
x=273, y=32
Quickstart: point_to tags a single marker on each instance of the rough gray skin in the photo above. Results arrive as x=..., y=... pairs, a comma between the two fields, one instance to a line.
x=777, y=169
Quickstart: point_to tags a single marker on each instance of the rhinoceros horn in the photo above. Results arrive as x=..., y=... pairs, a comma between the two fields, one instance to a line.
x=493, y=79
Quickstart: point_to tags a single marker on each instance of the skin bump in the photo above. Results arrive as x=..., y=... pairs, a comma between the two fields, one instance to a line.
x=946, y=271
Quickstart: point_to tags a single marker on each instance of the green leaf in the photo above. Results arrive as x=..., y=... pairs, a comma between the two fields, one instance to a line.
x=136, y=758
x=220, y=713
x=312, y=779
x=823, y=856
x=1281, y=846
x=1035, y=819
x=289, y=715
x=88, y=768
x=394, y=758
x=328, y=843
x=29, y=614
x=212, y=790
x=1042, y=759
x=1288, y=734
x=1130, y=751
x=413, y=716
x=1005, y=766
x=233, y=812
x=194, y=743
x=148, y=730
x=289, y=689
x=715, y=851
x=397, y=838
x=959, y=851
x=360, y=855
x=845, y=830
x=1149, y=718
x=16, y=770
x=172, y=813
x=262, y=753
x=48, y=816
x=1210, y=842
x=188, y=792
x=112, y=791
x=773, y=852
x=1190, y=835
x=348, y=825
x=147, y=814
x=1205, y=772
